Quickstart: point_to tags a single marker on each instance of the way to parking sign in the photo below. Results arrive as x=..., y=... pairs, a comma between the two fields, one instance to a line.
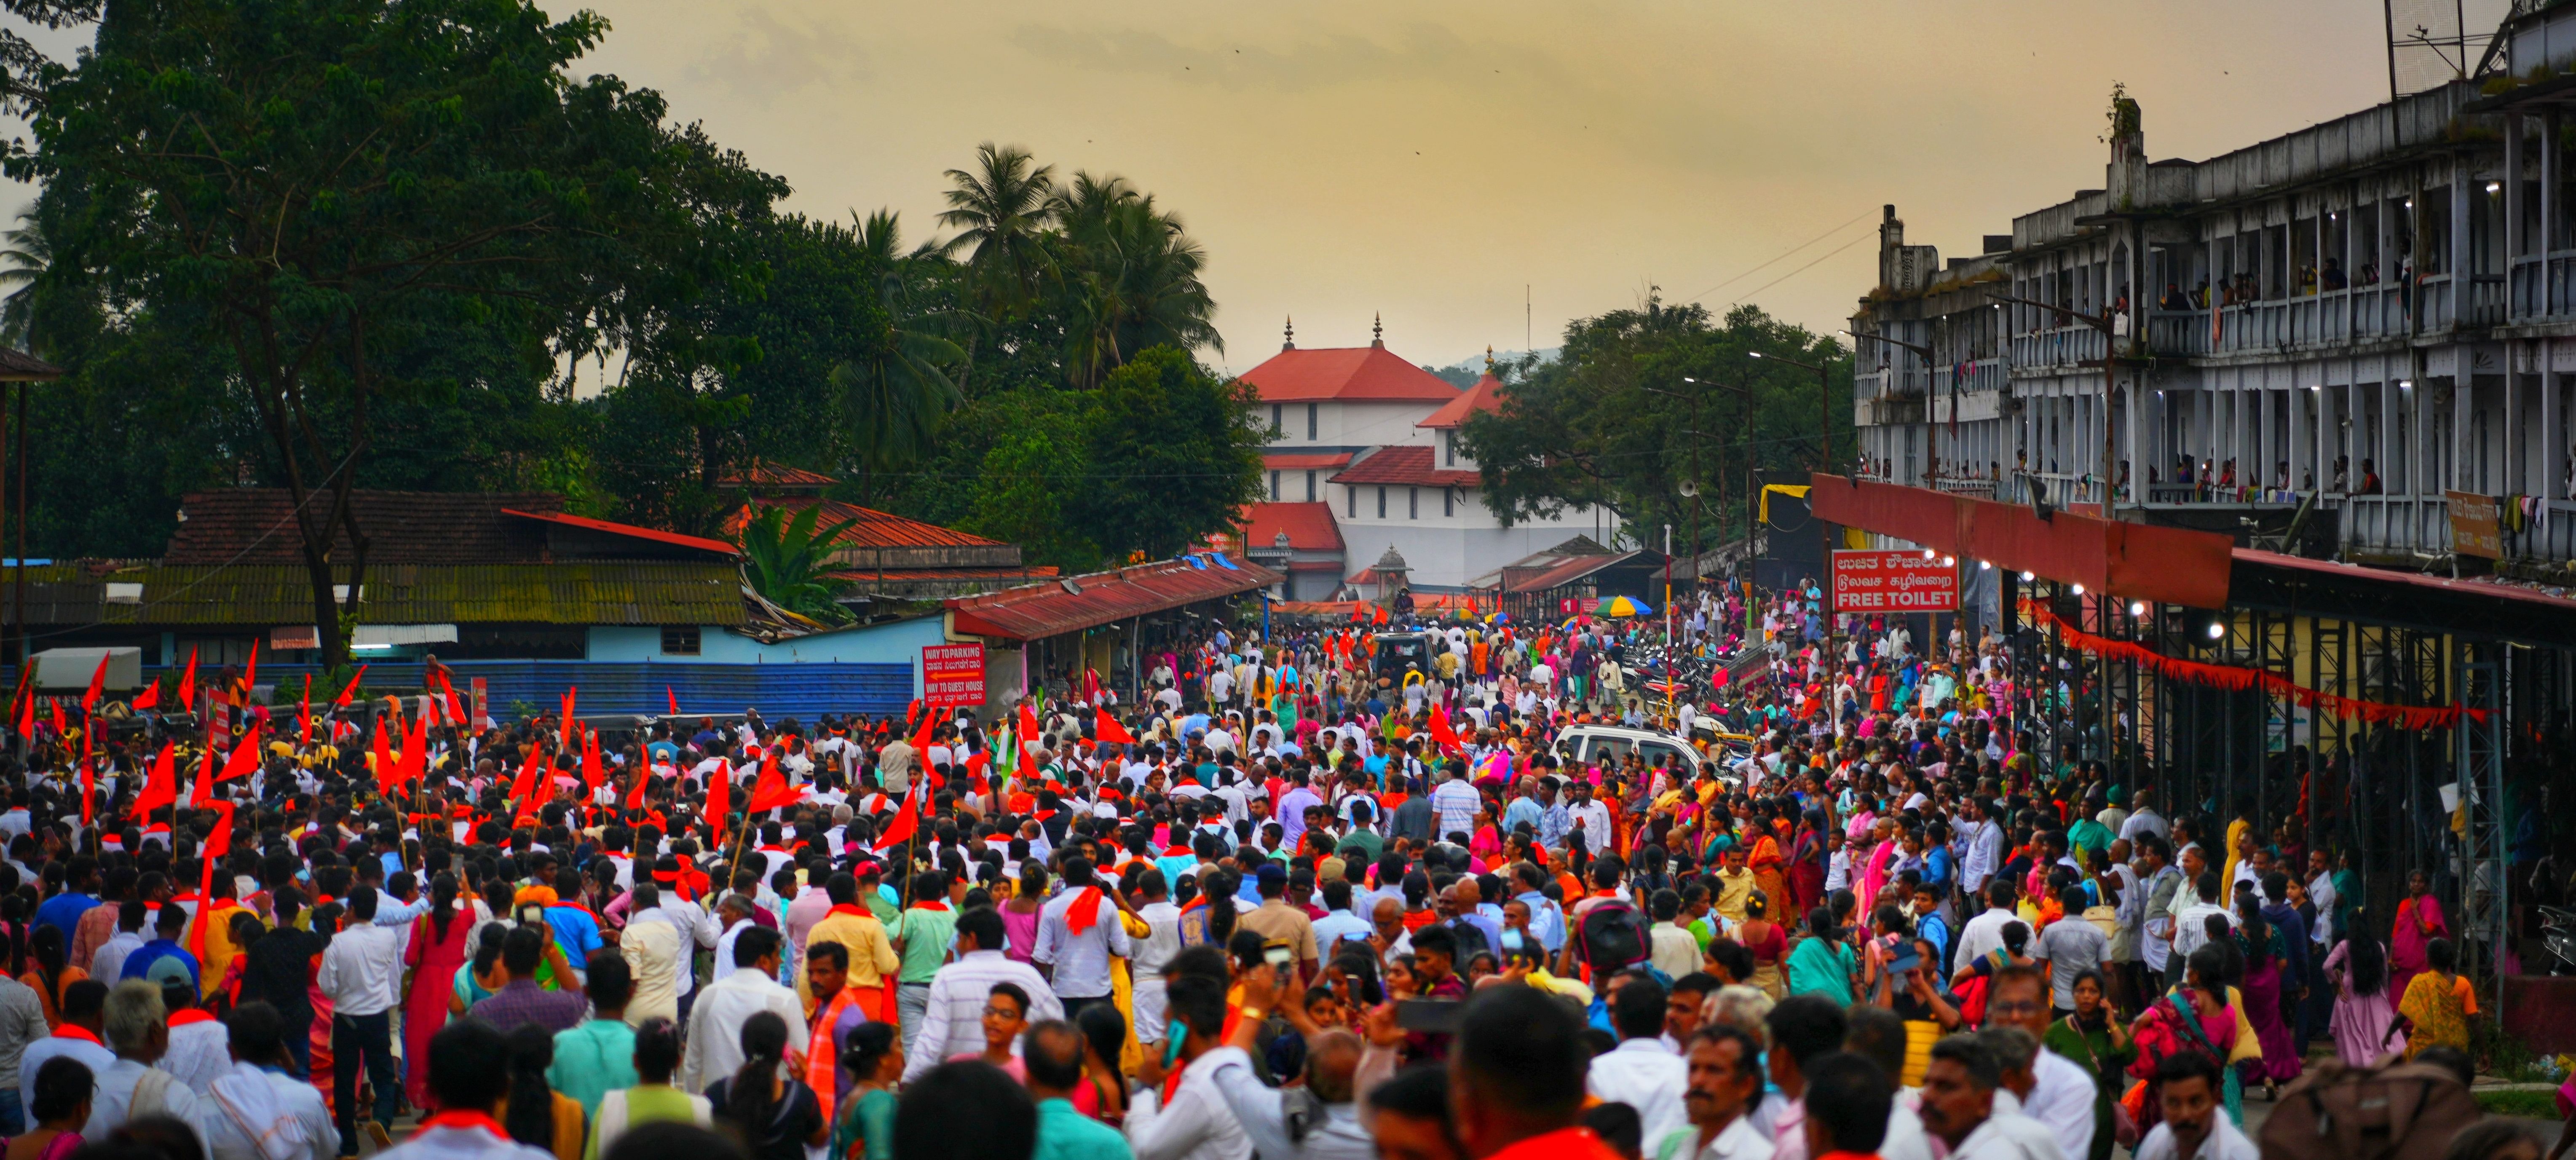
x=952, y=674
x=1871, y=581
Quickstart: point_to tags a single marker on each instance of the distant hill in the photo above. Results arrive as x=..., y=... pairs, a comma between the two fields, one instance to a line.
x=1464, y=373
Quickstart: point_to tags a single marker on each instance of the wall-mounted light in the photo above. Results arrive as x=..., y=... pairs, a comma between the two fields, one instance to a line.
x=2495, y=187
x=2078, y=589
x=2137, y=608
x=2217, y=630
x=1985, y=565
x=2026, y=577
x=1929, y=554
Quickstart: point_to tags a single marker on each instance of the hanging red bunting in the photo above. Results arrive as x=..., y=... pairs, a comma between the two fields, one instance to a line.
x=2239, y=678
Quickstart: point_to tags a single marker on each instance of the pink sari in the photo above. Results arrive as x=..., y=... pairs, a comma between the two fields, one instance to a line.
x=1874, y=877
x=2406, y=942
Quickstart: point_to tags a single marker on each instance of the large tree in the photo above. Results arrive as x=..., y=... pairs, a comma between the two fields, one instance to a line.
x=1643, y=405
x=331, y=191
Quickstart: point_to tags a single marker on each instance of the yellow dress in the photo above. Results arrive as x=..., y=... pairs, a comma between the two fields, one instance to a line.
x=1122, y=991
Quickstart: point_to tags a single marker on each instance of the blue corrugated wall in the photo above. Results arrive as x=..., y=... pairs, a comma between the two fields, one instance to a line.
x=802, y=690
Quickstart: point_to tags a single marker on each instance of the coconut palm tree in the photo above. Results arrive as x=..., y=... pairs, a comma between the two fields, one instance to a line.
x=1131, y=280
x=28, y=255
x=896, y=395
x=998, y=210
x=787, y=561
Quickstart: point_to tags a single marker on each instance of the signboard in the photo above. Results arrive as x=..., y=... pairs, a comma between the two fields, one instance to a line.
x=477, y=700
x=2473, y=525
x=1877, y=581
x=952, y=674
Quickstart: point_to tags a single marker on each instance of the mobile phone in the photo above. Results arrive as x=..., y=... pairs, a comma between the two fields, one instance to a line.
x=531, y=914
x=1280, y=957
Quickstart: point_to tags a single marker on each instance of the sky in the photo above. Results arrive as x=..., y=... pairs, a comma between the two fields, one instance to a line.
x=1442, y=163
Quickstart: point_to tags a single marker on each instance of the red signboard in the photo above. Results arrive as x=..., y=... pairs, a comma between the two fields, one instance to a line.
x=1894, y=582
x=952, y=674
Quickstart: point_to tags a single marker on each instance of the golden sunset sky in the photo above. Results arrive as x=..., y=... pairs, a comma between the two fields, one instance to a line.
x=1429, y=158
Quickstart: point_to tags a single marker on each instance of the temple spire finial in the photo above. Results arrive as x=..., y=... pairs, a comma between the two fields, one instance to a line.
x=1289, y=341
x=1377, y=330
x=1489, y=358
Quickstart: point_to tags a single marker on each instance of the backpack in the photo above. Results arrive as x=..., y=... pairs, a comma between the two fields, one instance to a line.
x=1612, y=937
x=2405, y=1111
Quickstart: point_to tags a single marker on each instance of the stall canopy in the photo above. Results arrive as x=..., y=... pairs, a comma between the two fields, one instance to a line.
x=2138, y=561
x=1054, y=608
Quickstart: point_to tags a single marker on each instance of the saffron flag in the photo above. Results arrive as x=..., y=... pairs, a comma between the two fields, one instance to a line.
x=250, y=669
x=342, y=701
x=525, y=789
x=149, y=698
x=1113, y=733
x=218, y=844
x=719, y=798
x=97, y=685
x=204, y=790
x=384, y=764
x=188, y=684
x=304, y=711
x=771, y=791
x=245, y=758
x=907, y=821
x=162, y=788
x=673, y=698
x=591, y=773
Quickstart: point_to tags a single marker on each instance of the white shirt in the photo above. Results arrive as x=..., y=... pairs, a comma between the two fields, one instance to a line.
x=715, y=1045
x=2191, y=928
x=200, y=1050
x=1081, y=961
x=953, y=1020
x=1738, y=1140
x=91, y=1055
x=460, y=1144
x=2224, y=1143
x=1982, y=934
x=248, y=1102
x=1196, y=1126
x=2061, y=1099
x=1336, y=1135
x=111, y=1105
x=108, y=965
x=2009, y=1136
x=361, y=971
x=1645, y=1075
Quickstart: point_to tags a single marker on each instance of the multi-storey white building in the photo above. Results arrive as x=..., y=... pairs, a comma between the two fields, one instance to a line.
x=2362, y=314
x=1372, y=440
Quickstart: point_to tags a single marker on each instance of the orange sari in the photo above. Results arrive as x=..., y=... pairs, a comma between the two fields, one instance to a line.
x=1770, y=874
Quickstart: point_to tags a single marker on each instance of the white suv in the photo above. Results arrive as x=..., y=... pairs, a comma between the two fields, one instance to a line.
x=1599, y=744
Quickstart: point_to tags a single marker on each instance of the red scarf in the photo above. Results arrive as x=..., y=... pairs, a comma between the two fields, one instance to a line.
x=466, y=1118
x=76, y=1031
x=855, y=908
x=191, y=1015
x=1086, y=911
x=931, y=904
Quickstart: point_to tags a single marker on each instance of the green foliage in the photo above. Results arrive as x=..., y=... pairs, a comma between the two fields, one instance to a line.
x=1591, y=428
x=788, y=560
x=368, y=206
x=1175, y=453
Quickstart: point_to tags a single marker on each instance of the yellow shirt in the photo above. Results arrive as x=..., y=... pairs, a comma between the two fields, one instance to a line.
x=1734, y=887
x=872, y=956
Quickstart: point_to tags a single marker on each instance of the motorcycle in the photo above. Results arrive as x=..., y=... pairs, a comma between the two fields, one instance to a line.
x=2558, y=936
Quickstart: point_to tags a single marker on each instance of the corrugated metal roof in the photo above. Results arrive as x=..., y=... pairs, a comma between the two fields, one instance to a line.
x=1406, y=465
x=1037, y=611
x=874, y=529
x=271, y=594
x=1565, y=573
x=804, y=690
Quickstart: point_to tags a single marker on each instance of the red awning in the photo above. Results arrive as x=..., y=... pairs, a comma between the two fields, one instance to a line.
x=2140, y=561
x=1038, y=611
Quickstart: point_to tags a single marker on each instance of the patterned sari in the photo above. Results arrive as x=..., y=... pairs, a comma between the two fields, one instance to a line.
x=2439, y=1006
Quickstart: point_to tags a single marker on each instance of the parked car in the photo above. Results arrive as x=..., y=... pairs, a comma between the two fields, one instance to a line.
x=1595, y=744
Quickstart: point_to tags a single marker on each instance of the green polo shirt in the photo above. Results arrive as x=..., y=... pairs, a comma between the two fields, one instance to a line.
x=925, y=934
x=593, y=1060
x=1067, y=1134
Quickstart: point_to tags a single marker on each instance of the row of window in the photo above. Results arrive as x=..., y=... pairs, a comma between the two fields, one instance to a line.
x=1412, y=501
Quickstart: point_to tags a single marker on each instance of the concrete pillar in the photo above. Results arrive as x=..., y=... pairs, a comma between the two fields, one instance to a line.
x=2513, y=127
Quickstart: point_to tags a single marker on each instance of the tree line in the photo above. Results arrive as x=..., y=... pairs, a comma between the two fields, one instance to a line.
x=336, y=244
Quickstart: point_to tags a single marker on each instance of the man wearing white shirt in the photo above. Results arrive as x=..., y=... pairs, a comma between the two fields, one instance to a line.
x=2191, y=926
x=1642, y=1072
x=952, y=1019
x=2144, y=819
x=1078, y=932
x=130, y=1088
x=255, y=1105
x=1985, y=932
x=2193, y=1127
x=714, y=1045
x=1196, y=1124
x=1962, y=1104
x=1725, y=1078
x=1985, y=846
x=361, y=974
x=2061, y=1092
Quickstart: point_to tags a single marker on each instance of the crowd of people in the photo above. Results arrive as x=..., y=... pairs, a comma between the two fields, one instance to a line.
x=1287, y=900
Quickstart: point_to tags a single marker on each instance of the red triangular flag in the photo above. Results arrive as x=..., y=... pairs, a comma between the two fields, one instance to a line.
x=455, y=704
x=245, y=759
x=204, y=791
x=570, y=693
x=635, y=791
x=1113, y=733
x=591, y=773
x=719, y=797
x=188, y=684
x=342, y=701
x=384, y=747
x=218, y=844
x=149, y=698
x=61, y=728
x=771, y=791
x=1442, y=734
x=250, y=670
x=304, y=711
x=673, y=698
x=162, y=787
x=27, y=712
x=525, y=791
x=97, y=685
x=907, y=820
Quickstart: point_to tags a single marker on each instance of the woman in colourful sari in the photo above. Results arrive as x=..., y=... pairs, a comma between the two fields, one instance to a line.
x=2264, y=955
x=2439, y=1005
x=1807, y=865
x=2191, y=1017
x=1770, y=870
x=2419, y=922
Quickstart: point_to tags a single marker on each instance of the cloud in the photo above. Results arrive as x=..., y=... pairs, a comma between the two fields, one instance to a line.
x=763, y=58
